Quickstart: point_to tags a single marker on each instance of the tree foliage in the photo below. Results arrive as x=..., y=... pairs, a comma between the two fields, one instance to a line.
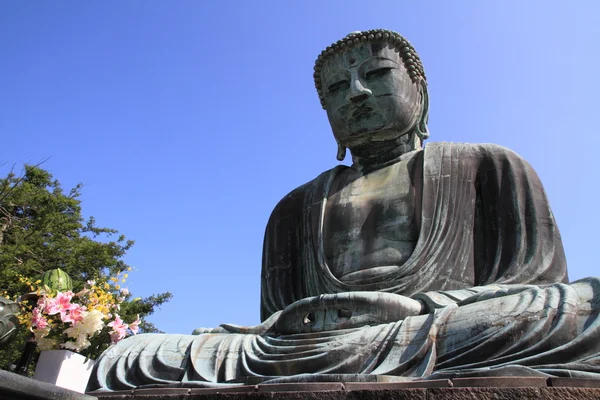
x=42, y=228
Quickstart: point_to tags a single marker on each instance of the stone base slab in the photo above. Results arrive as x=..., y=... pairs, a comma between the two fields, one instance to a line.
x=501, y=388
x=17, y=387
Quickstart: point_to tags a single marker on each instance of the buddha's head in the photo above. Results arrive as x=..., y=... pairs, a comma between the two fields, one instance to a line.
x=373, y=87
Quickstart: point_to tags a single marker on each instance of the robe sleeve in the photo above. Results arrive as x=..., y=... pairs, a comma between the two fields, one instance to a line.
x=515, y=237
x=280, y=284
x=440, y=299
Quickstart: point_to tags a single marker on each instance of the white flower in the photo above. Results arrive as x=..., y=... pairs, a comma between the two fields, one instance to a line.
x=41, y=333
x=70, y=346
x=91, y=323
x=73, y=331
x=124, y=291
x=42, y=341
x=46, y=344
x=81, y=343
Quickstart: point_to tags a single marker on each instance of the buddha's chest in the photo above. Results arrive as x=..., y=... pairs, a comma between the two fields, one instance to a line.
x=371, y=204
x=371, y=220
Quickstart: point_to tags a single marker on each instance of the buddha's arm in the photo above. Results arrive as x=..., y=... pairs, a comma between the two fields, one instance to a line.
x=439, y=299
x=330, y=312
x=259, y=329
x=345, y=310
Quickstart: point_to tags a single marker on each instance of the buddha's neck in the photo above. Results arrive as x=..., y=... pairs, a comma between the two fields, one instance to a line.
x=376, y=155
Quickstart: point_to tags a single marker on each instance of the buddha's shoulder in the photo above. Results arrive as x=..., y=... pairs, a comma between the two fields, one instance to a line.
x=303, y=196
x=483, y=150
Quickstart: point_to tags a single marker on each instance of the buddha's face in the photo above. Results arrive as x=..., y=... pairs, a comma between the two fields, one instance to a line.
x=369, y=95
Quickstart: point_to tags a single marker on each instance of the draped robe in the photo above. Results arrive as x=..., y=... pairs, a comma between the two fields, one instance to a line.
x=485, y=219
x=488, y=265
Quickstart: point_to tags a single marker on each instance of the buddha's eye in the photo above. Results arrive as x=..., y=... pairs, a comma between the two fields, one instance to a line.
x=377, y=72
x=337, y=86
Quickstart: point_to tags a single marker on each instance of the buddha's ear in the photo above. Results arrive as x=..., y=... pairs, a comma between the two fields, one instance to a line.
x=341, y=152
x=421, y=128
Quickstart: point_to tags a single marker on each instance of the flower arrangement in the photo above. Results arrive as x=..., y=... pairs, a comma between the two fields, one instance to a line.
x=83, y=321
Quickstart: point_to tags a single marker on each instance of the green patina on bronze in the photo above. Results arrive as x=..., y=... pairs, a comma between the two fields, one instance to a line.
x=407, y=51
x=436, y=262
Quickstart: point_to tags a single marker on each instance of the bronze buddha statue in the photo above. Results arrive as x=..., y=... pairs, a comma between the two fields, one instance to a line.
x=443, y=261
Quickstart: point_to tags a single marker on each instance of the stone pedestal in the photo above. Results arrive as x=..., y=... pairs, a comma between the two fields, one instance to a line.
x=17, y=387
x=503, y=388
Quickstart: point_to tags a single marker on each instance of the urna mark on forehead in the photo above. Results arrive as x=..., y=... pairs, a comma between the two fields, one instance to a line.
x=355, y=56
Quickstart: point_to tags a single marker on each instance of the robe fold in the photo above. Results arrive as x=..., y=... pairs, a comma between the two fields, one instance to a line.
x=485, y=219
x=489, y=266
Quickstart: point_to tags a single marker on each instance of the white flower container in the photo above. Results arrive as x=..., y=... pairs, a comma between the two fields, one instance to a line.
x=65, y=369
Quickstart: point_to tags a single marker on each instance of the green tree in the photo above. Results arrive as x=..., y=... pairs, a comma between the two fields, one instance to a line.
x=42, y=228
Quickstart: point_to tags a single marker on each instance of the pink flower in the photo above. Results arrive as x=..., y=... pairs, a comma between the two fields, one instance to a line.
x=38, y=320
x=115, y=337
x=135, y=326
x=61, y=304
x=76, y=314
x=119, y=329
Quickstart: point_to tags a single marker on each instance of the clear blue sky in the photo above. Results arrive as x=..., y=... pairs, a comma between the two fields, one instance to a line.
x=189, y=120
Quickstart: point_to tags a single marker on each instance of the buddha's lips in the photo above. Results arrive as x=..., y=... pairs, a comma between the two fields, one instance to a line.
x=361, y=111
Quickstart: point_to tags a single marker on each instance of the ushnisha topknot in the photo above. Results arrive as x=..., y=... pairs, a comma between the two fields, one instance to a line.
x=409, y=56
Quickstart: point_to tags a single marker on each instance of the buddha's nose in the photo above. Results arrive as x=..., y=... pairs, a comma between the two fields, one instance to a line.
x=358, y=92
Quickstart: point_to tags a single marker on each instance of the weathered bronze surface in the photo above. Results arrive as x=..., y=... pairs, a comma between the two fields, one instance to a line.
x=432, y=263
x=8, y=320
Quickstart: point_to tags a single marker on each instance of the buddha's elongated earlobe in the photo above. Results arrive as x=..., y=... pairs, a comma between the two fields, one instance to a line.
x=341, y=152
x=421, y=128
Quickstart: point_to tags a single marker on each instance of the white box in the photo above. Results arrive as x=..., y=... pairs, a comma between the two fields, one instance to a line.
x=65, y=369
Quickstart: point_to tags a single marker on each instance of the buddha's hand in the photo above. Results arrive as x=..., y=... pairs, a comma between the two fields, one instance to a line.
x=259, y=329
x=330, y=312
